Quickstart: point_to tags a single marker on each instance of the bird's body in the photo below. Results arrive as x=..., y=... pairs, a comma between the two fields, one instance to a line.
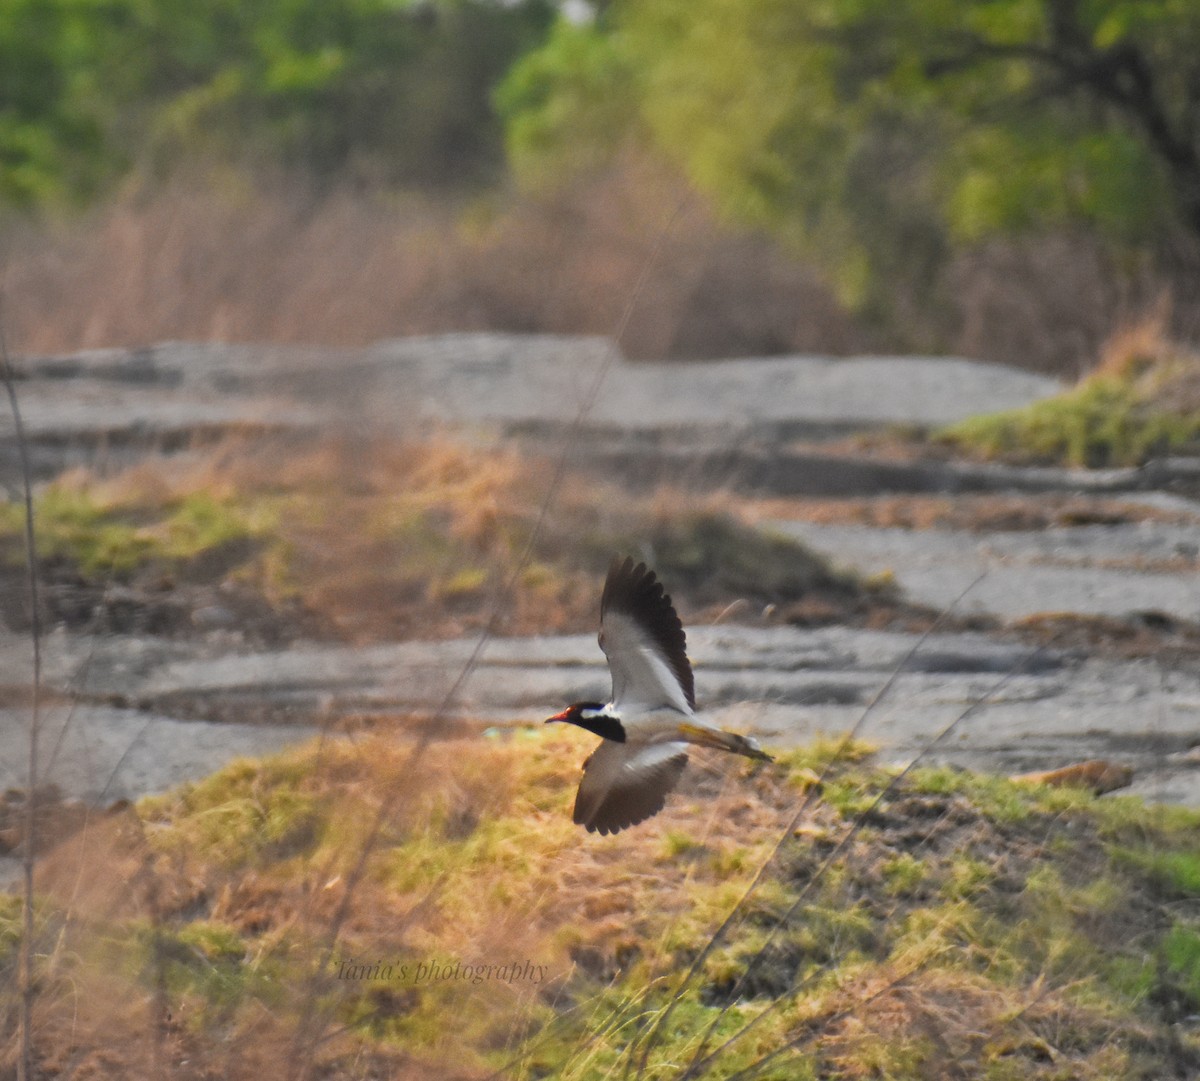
x=647, y=725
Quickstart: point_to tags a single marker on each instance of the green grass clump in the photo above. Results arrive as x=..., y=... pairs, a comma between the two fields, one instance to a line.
x=72, y=525
x=1121, y=415
x=103, y=538
x=200, y=522
x=1181, y=953
x=408, y=540
x=996, y=797
x=1174, y=872
x=249, y=813
x=971, y=924
x=903, y=874
x=207, y=962
x=10, y=928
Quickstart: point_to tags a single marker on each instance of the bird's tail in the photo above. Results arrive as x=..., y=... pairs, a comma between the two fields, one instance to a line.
x=725, y=741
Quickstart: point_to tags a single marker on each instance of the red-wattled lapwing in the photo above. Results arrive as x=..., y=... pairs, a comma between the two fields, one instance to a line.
x=650, y=721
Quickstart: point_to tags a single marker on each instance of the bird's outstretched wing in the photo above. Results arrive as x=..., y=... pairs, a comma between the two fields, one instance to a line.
x=625, y=783
x=643, y=639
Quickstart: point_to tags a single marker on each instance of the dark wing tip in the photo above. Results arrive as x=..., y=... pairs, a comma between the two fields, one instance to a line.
x=635, y=591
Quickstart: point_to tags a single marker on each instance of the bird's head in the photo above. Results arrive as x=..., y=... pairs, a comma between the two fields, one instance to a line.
x=594, y=717
x=581, y=713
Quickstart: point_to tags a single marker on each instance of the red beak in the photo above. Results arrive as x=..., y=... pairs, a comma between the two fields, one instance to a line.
x=559, y=716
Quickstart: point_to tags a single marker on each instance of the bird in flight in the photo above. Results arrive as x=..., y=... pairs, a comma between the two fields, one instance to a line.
x=650, y=720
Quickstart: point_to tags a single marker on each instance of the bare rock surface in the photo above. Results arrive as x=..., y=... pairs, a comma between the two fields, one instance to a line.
x=492, y=378
x=494, y=382
x=130, y=715
x=146, y=715
x=1115, y=570
x=101, y=753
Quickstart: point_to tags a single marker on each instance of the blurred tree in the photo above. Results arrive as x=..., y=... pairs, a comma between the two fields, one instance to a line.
x=51, y=136
x=881, y=135
x=397, y=91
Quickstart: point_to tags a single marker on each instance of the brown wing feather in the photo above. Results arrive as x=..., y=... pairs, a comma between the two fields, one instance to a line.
x=623, y=785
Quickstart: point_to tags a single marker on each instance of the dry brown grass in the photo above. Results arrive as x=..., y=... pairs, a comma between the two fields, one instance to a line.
x=974, y=928
x=933, y=1022
x=1053, y=303
x=478, y=862
x=1164, y=373
x=225, y=260
x=1046, y=303
x=384, y=539
x=381, y=539
x=227, y=256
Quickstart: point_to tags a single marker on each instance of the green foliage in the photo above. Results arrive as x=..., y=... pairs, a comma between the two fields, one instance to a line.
x=579, y=82
x=823, y=752
x=995, y=796
x=200, y=523
x=51, y=129
x=903, y=874
x=204, y=964
x=70, y=524
x=1108, y=419
x=880, y=134
x=99, y=539
x=395, y=90
x=11, y=924
x=1176, y=873
x=1181, y=952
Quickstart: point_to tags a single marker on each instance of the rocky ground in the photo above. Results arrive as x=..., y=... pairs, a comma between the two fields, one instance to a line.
x=1075, y=595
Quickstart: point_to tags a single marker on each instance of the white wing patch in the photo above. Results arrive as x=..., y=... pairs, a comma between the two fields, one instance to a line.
x=641, y=676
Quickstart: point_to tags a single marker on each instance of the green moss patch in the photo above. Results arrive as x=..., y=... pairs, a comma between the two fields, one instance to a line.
x=102, y=538
x=960, y=923
x=1123, y=414
x=398, y=541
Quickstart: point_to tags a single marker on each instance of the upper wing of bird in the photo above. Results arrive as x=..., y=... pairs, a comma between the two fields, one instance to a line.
x=644, y=642
x=624, y=783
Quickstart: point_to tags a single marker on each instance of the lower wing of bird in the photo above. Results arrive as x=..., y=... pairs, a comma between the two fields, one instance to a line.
x=625, y=783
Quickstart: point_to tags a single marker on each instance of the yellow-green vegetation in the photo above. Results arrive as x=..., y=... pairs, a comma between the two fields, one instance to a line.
x=395, y=539
x=1140, y=405
x=208, y=965
x=365, y=904
x=10, y=929
x=106, y=536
